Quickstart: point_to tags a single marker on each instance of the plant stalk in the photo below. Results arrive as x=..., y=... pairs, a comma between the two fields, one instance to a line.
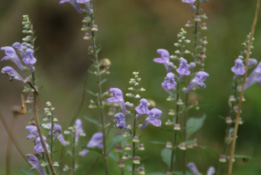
x=233, y=145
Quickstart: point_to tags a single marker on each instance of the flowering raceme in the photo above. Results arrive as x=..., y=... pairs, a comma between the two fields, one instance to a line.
x=33, y=160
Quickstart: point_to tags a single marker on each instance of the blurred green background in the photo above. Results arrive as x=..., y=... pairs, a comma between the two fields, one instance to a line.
x=130, y=31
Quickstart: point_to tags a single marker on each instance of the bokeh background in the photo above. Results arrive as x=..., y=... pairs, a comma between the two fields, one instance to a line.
x=130, y=31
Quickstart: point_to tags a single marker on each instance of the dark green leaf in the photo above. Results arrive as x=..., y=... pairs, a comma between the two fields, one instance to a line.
x=92, y=120
x=90, y=92
x=166, y=156
x=158, y=142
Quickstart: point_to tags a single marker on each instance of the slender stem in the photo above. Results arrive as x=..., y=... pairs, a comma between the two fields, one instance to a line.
x=73, y=154
x=10, y=134
x=100, y=102
x=185, y=134
x=196, y=33
x=233, y=145
x=9, y=149
x=175, y=132
x=51, y=145
x=36, y=119
x=133, y=135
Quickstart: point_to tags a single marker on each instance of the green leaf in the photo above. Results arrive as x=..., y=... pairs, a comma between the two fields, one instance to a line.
x=26, y=172
x=113, y=157
x=157, y=173
x=194, y=124
x=90, y=92
x=158, y=142
x=114, y=141
x=246, y=157
x=209, y=150
x=92, y=121
x=166, y=156
x=103, y=81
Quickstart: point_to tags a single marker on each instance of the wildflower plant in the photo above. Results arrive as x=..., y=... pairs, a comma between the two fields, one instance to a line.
x=123, y=116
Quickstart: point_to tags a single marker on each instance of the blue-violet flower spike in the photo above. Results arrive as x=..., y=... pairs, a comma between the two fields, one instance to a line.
x=169, y=83
x=74, y=3
x=211, y=171
x=118, y=98
x=11, y=73
x=121, y=121
x=33, y=160
x=192, y=167
x=255, y=76
x=164, y=59
x=143, y=108
x=198, y=80
x=153, y=118
x=239, y=68
x=11, y=55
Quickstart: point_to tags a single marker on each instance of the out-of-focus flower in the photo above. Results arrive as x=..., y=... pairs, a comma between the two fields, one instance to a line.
x=12, y=73
x=164, y=59
x=121, y=121
x=78, y=130
x=251, y=63
x=33, y=160
x=153, y=118
x=33, y=132
x=143, y=108
x=198, y=80
x=192, y=167
x=188, y=1
x=12, y=56
x=94, y=142
x=74, y=3
x=118, y=98
x=29, y=58
x=255, y=76
x=57, y=133
x=87, y=4
x=239, y=68
x=211, y=171
x=38, y=148
x=183, y=67
x=169, y=83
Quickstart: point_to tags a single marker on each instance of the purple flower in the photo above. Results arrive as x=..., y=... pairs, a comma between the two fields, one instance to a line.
x=192, y=167
x=78, y=130
x=121, y=121
x=188, y=1
x=33, y=132
x=11, y=55
x=87, y=4
x=18, y=47
x=74, y=3
x=211, y=171
x=254, y=77
x=95, y=141
x=238, y=69
x=252, y=62
x=29, y=58
x=164, y=59
x=38, y=148
x=183, y=67
x=198, y=80
x=33, y=160
x=11, y=73
x=143, y=108
x=169, y=83
x=153, y=118
x=118, y=98
x=57, y=133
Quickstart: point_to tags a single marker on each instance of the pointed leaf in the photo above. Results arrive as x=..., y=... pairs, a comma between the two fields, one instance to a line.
x=166, y=156
x=194, y=124
x=92, y=120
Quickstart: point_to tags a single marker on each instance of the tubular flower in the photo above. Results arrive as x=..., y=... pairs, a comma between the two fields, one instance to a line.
x=252, y=62
x=255, y=76
x=188, y=1
x=118, y=98
x=192, y=167
x=11, y=55
x=211, y=171
x=238, y=69
x=33, y=160
x=153, y=118
x=78, y=130
x=94, y=142
x=33, y=132
x=183, y=67
x=29, y=58
x=38, y=148
x=164, y=59
x=143, y=108
x=12, y=73
x=121, y=121
x=169, y=83
x=87, y=4
x=57, y=133
x=74, y=3
x=198, y=80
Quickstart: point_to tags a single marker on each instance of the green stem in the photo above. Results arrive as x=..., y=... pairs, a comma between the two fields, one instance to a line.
x=196, y=33
x=51, y=144
x=185, y=134
x=133, y=135
x=73, y=154
x=100, y=102
x=175, y=132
